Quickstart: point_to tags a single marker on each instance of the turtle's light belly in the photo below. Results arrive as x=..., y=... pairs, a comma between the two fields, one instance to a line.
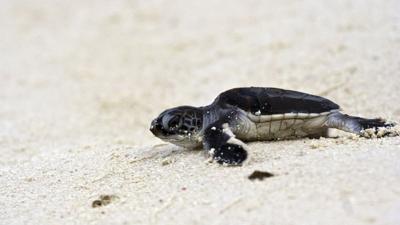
x=282, y=126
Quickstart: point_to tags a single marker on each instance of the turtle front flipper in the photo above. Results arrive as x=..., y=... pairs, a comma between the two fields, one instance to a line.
x=222, y=145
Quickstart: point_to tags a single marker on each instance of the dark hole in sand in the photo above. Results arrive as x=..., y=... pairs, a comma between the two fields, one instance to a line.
x=260, y=175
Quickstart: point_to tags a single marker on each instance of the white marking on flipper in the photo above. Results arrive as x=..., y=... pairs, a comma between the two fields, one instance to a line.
x=233, y=140
x=211, y=151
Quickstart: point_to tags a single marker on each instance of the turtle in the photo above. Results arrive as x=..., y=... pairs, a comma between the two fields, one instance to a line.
x=247, y=114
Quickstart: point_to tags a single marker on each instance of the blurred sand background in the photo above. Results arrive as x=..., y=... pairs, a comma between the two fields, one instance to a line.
x=80, y=82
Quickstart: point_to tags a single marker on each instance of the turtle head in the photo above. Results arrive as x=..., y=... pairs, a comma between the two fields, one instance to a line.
x=180, y=126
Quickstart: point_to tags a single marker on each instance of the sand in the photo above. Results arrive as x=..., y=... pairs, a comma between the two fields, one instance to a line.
x=80, y=82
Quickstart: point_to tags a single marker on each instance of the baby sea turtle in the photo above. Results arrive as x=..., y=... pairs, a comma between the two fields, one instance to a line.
x=254, y=114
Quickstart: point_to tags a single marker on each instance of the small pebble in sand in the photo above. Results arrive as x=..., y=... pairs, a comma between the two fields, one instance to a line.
x=353, y=137
x=260, y=175
x=96, y=203
x=104, y=200
x=29, y=179
x=315, y=145
x=318, y=144
x=166, y=161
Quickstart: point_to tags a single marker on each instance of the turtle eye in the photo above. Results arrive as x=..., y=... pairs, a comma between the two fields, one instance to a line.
x=174, y=122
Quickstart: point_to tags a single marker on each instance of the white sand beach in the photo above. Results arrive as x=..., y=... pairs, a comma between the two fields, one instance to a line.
x=80, y=82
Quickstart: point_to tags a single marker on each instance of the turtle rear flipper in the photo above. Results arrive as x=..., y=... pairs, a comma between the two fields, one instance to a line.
x=356, y=125
x=373, y=123
x=222, y=145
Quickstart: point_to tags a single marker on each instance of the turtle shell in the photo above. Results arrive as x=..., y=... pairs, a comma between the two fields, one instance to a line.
x=270, y=101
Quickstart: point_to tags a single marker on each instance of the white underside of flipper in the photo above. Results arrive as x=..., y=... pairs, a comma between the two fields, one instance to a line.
x=233, y=140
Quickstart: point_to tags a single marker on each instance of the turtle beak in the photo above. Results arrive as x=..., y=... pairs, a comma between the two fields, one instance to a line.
x=156, y=127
